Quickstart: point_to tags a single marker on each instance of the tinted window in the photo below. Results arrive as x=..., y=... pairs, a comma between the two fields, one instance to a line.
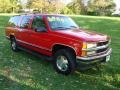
x=38, y=22
x=25, y=21
x=14, y=21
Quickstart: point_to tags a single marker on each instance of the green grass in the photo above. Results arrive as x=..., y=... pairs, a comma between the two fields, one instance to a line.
x=23, y=71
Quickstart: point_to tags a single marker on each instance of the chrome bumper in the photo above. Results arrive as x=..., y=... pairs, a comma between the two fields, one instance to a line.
x=95, y=57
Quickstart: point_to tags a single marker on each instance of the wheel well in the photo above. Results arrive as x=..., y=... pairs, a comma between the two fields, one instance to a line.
x=12, y=36
x=58, y=47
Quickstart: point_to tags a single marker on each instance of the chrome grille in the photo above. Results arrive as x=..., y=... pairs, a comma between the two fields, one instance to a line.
x=102, y=44
x=101, y=50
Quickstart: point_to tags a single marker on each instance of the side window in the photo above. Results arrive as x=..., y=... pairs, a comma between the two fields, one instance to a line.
x=14, y=21
x=38, y=22
x=11, y=22
x=25, y=22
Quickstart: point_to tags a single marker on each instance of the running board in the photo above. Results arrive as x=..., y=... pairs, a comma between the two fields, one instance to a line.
x=44, y=57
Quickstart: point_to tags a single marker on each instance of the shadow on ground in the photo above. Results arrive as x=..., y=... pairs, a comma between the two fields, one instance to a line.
x=8, y=84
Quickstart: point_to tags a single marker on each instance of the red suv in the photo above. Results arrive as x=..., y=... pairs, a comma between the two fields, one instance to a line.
x=58, y=38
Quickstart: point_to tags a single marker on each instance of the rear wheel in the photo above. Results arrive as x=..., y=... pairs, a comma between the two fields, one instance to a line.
x=64, y=62
x=14, y=45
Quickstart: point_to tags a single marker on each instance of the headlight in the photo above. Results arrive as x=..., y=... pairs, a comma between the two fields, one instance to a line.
x=91, y=45
x=88, y=46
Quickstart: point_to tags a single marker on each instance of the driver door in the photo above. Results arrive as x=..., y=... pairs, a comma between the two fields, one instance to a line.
x=39, y=39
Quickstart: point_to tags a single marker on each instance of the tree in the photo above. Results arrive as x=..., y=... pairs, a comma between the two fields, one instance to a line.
x=66, y=10
x=4, y=6
x=9, y=6
x=101, y=7
x=56, y=6
x=38, y=4
x=77, y=7
x=13, y=4
x=44, y=6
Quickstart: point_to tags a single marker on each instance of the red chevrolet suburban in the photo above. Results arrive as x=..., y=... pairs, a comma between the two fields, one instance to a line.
x=60, y=39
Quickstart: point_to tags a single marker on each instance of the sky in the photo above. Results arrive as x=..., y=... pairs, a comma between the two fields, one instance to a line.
x=67, y=1
x=117, y=3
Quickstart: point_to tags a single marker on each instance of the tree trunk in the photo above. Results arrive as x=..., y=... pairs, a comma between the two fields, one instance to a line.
x=13, y=10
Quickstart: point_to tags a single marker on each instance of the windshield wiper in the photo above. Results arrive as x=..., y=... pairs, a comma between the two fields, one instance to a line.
x=61, y=28
x=73, y=26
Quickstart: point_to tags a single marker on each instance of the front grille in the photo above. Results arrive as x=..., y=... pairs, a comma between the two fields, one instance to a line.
x=101, y=50
x=102, y=43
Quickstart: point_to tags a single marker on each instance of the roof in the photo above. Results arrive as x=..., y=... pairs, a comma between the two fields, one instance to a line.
x=41, y=14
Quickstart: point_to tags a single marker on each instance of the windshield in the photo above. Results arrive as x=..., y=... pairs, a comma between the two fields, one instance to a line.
x=61, y=22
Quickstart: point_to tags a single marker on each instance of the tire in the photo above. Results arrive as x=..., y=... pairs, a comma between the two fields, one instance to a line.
x=14, y=45
x=68, y=60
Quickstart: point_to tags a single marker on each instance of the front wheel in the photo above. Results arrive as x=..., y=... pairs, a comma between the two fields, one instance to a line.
x=64, y=62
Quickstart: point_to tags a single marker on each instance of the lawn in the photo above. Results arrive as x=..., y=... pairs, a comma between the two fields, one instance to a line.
x=22, y=71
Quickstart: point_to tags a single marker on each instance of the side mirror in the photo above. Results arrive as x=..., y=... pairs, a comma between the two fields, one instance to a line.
x=40, y=29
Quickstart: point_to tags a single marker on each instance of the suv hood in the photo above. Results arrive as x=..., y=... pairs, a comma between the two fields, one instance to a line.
x=84, y=35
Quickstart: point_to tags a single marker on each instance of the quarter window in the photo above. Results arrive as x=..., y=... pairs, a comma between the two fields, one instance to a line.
x=14, y=21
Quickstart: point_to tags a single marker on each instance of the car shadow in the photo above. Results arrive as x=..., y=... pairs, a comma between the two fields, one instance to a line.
x=9, y=84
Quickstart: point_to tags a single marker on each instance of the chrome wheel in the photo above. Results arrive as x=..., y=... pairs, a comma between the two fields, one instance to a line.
x=62, y=63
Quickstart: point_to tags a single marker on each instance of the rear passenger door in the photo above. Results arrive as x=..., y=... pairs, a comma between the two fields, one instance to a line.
x=23, y=31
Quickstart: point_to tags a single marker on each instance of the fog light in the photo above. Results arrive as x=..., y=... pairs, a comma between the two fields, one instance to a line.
x=91, y=52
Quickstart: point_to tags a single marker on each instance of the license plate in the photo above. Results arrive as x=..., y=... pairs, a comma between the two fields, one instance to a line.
x=107, y=58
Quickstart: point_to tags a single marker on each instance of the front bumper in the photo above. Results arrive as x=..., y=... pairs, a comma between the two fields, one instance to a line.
x=91, y=58
x=91, y=61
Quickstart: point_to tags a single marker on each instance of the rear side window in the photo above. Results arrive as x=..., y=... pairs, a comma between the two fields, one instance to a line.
x=25, y=22
x=14, y=21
